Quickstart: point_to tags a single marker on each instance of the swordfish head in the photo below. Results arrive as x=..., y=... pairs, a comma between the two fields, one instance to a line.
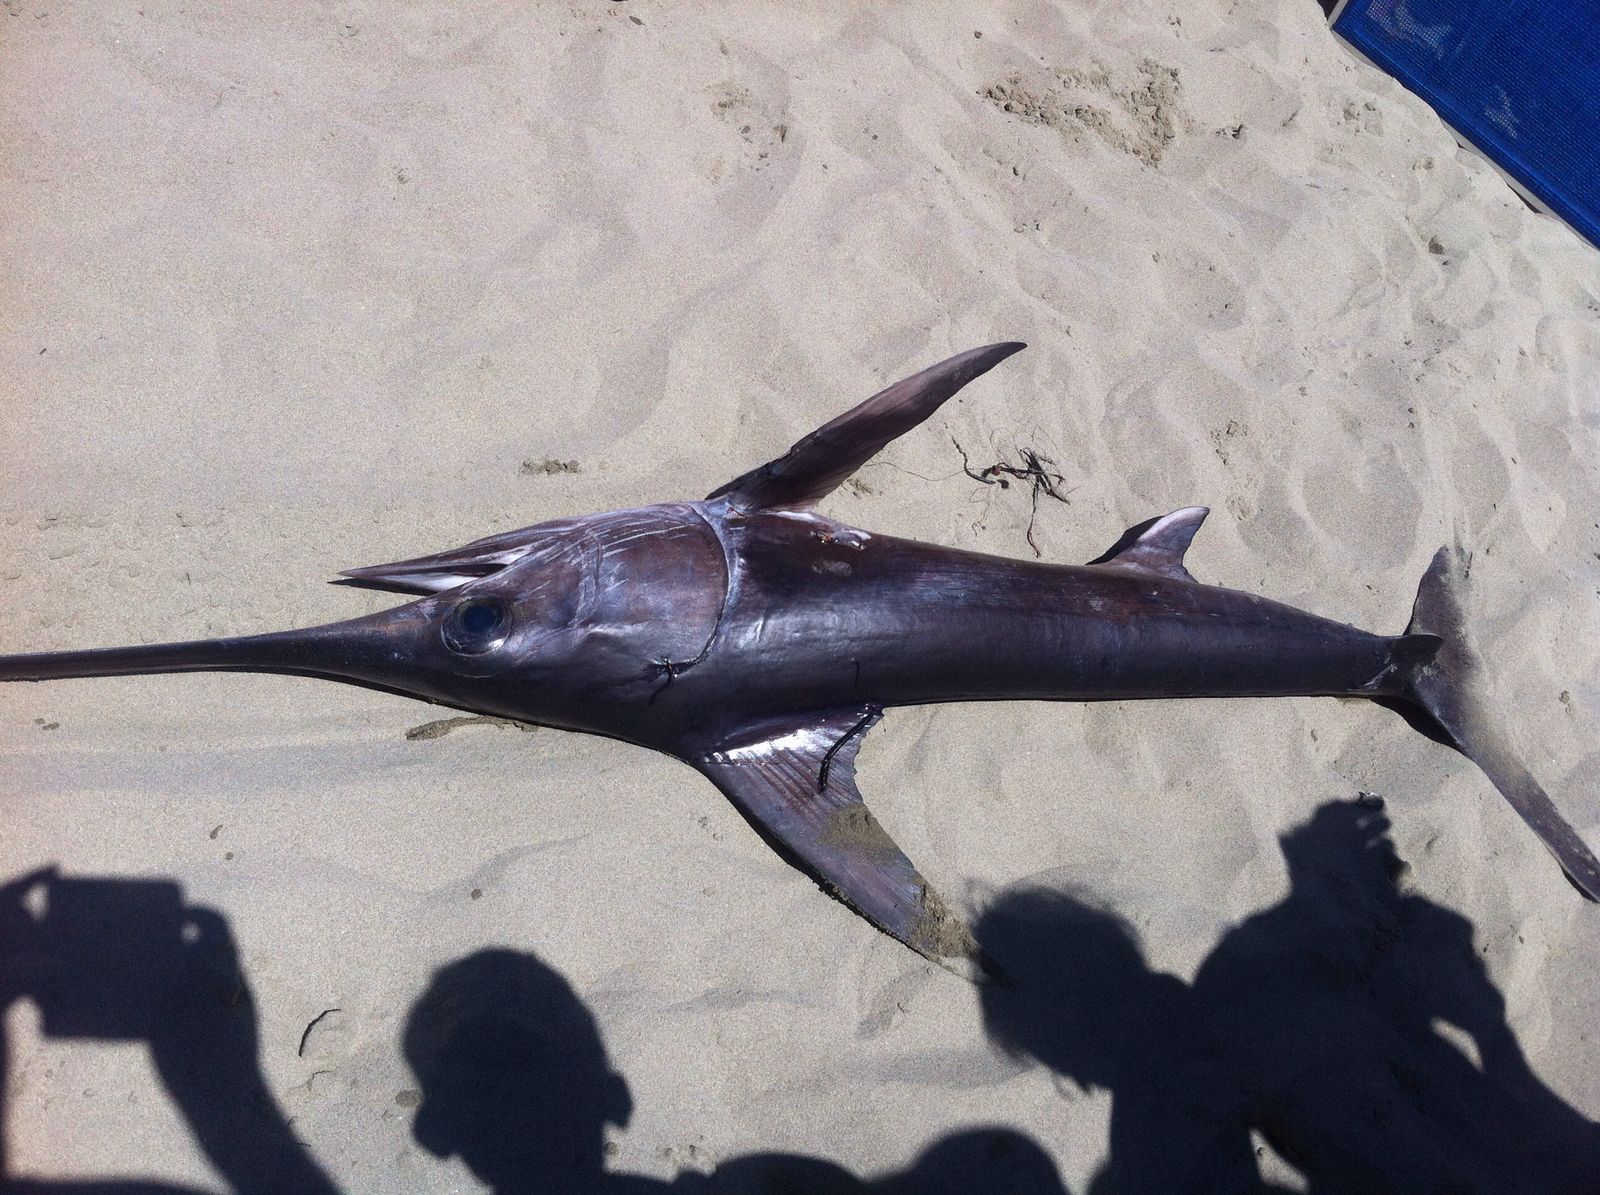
x=573, y=623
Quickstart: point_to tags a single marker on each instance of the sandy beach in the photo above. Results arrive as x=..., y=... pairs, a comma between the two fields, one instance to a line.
x=293, y=288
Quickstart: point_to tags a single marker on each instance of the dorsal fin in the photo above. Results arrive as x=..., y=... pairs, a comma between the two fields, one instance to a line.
x=816, y=465
x=1158, y=546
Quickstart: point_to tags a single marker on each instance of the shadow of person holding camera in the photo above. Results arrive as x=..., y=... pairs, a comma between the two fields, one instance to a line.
x=516, y=1081
x=122, y=960
x=1316, y=1023
x=1371, y=1043
x=515, y=1077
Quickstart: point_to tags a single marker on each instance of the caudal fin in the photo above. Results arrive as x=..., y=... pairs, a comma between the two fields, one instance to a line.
x=1449, y=686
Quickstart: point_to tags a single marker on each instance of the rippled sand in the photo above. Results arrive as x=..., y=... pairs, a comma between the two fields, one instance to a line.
x=298, y=288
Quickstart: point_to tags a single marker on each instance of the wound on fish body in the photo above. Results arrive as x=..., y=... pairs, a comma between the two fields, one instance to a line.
x=759, y=642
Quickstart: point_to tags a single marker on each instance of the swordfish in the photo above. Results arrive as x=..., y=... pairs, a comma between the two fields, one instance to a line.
x=758, y=641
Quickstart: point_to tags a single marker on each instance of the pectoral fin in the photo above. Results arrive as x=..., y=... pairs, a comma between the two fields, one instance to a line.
x=794, y=778
x=816, y=465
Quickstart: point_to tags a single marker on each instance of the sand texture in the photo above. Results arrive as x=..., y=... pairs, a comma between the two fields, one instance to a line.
x=294, y=287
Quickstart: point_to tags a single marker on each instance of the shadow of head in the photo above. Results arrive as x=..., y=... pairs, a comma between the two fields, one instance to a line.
x=989, y=1158
x=1081, y=998
x=1344, y=845
x=515, y=1079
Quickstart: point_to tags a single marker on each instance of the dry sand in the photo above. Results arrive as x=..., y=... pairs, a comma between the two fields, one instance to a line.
x=297, y=287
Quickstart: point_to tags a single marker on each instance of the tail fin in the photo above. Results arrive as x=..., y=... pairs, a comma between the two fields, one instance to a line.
x=1449, y=686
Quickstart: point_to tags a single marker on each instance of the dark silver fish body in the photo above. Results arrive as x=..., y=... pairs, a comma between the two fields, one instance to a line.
x=670, y=621
x=821, y=610
x=758, y=641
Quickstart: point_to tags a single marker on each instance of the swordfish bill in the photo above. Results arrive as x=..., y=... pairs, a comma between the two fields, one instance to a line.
x=759, y=641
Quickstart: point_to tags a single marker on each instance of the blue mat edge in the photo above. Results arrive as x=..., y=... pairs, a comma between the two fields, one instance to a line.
x=1460, y=121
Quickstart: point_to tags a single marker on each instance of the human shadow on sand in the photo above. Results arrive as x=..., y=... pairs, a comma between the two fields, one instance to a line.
x=514, y=1075
x=127, y=960
x=516, y=1082
x=1314, y=1023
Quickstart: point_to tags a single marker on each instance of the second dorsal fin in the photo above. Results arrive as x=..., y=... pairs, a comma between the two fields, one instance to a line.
x=1158, y=546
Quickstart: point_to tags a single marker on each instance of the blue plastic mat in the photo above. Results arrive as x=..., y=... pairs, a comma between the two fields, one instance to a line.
x=1518, y=79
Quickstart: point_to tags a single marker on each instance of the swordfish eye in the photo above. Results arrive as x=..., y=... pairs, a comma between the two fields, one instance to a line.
x=476, y=625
